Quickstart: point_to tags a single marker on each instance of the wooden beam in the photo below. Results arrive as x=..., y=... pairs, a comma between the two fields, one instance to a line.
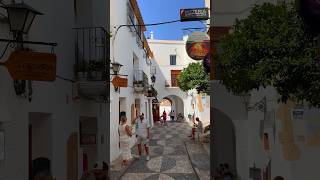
x=137, y=13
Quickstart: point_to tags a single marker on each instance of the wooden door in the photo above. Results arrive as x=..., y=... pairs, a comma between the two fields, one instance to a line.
x=174, y=76
x=156, y=113
x=30, y=152
x=72, y=157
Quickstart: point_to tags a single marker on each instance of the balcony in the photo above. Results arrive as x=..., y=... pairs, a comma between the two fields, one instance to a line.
x=91, y=61
x=140, y=81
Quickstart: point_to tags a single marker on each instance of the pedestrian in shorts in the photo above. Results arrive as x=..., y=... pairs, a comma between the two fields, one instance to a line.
x=143, y=135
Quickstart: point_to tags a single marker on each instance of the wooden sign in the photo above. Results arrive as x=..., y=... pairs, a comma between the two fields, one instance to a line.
x=120, y=82
x=36, y=66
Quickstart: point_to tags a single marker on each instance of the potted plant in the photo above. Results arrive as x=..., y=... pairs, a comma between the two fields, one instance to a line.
x=94, y=69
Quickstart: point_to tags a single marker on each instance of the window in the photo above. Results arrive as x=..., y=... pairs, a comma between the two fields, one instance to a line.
x=173, y=60
x=174, y=76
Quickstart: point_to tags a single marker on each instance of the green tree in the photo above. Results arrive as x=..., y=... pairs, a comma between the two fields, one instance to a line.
x=194, y=77
x=271, y=48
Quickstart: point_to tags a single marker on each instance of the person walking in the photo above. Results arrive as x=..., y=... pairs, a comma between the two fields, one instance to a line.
x=125, y=133
x=164, y=116
x=172, y=115
x=199, y=129
x=143, y=135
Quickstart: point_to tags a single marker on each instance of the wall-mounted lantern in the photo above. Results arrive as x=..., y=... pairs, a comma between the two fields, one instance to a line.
x=258, y=106
x=118, y=81
x=20, y=17
x=116, y=67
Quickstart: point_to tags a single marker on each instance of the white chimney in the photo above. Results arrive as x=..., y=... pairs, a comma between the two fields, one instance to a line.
x=185, y=37
x=151, y=35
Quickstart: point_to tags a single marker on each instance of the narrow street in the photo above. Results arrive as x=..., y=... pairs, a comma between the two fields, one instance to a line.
x=169, y=156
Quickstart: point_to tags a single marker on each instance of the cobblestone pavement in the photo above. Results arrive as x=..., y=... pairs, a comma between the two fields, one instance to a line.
x=169, y=159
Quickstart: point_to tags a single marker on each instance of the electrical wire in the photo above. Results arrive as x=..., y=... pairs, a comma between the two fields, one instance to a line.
x=65, y=79
x=5, y=50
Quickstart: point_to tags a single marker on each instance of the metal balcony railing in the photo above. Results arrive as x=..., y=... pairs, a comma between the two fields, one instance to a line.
x=139, y=77
x=91, y=57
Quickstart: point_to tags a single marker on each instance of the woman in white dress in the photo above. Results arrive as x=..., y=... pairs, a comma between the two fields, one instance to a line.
x=125, y=133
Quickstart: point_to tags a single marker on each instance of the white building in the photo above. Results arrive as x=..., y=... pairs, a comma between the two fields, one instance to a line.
x=243, y=138
x=50, y=126
x=128, y=47
x=170, y=59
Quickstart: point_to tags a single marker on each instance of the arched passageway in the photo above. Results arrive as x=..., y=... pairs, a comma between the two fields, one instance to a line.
x=168, y=103
x=224, y=144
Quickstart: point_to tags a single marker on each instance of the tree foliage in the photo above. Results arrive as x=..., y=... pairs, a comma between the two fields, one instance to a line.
x=271, y=48
x=194, y=77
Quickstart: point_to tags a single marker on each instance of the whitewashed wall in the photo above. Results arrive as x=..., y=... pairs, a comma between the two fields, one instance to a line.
x=54, y=98
x=247, y=127
x=124, y=49
x=162, y=50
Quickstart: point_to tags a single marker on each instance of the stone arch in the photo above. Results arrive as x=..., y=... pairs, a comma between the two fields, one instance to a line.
x=177, y=103
x=224, y=141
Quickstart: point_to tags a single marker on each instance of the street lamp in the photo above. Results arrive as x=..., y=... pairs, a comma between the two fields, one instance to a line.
x=20, y=16
x=116, y=67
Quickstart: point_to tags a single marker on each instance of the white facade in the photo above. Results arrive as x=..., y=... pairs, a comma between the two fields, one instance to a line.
x=182, y=101
x=126, y=51
x=53, y=114
x=299, y=162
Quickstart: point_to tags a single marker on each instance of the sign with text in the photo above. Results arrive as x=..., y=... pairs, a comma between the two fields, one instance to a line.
x=36, y=66
x=195, y=14
x=120, y=82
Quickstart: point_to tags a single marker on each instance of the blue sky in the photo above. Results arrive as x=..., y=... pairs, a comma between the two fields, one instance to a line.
x=155, y=11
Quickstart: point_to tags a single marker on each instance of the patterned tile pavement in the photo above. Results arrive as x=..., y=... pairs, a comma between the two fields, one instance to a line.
x=169, y=159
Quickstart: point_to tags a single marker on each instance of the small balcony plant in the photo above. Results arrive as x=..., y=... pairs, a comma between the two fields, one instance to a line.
x=94, y=69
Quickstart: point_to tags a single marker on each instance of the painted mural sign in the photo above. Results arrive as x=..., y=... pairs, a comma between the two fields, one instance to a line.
x=195, y=14
x=198, y=45
x=306, y=126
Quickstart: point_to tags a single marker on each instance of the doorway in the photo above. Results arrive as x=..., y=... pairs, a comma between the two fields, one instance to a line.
x=40, y=145
x=88, y=141
x=72, y=156
x=156, y=111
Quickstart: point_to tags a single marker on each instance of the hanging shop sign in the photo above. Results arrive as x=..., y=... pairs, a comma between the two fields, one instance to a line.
x=120, y=82
x=27, y=65
x=195, y=14
x=198, y=45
